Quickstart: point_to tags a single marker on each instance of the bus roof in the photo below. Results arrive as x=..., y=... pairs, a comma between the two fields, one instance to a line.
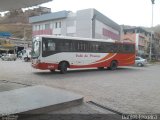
x=81, y=38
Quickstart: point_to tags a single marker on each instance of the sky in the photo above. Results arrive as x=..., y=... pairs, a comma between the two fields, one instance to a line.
x=127, y=12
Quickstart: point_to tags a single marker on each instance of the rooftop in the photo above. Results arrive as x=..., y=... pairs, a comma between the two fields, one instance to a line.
x=137, y=29
x=49, y=16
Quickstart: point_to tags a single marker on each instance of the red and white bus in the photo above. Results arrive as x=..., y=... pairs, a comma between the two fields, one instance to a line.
x=59, y=53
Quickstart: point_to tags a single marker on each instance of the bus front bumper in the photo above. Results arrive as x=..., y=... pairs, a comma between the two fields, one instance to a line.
x=45, y=66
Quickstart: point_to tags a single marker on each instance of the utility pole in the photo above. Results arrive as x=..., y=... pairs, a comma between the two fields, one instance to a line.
x=151, y=40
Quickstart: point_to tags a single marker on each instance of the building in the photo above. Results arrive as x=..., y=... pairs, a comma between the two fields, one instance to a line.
x=140, y=37
x=88, y=23
x=156, y=46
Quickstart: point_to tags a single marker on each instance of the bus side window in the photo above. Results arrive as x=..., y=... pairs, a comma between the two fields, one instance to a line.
x=67, y=46
x=72, y=46
x=81, y=46
x=112, y=48
x=115, y=48
x=60, y=45
x=51, y=46
x=127, y=48
x=97, y=47
x=78, y=46
x=44, y=46
x=119, y=48
x=92, y=47
x=101, y=48
x=132, y=48
x=108, y=47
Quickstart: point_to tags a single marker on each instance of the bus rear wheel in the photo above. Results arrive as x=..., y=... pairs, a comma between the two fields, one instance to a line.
x=100, y=68
x=63, y=67
x=113, y=65
x=52, y=70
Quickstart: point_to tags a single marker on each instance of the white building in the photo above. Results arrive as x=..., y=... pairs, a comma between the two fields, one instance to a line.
x=88, y=23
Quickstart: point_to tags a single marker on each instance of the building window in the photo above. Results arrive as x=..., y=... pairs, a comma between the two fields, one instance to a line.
x=34, y=28
x=59, y=24
x=56, y=25
x=38, y=27
x=41, y=27
x=47, y=26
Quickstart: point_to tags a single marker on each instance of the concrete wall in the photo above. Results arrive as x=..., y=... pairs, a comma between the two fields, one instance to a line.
x=71, y=24
x=84, y=23
x=104, y=31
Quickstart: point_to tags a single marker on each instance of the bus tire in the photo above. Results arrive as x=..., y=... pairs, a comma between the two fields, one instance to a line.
x=100, y=68
x=53, y=70
x=113, y=65
x=63, y=67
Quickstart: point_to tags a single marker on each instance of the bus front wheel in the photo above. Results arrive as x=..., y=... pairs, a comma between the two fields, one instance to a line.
x=113, y=65
x=63, y=67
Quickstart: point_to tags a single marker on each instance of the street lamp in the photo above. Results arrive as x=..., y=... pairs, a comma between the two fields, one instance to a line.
x=150, y=52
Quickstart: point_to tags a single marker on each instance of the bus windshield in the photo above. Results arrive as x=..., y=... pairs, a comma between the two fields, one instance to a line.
x=36, y=49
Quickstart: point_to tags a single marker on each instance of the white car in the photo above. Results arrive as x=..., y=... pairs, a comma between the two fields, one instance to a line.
x=139, y=61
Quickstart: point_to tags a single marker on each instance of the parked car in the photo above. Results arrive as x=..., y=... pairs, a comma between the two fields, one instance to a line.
x=139, y=61
x=9, y=57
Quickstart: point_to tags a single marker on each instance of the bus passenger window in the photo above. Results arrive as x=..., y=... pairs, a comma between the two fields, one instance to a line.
x=51, y=46
x=44, y=47
x=115, y=48
x=125, y=48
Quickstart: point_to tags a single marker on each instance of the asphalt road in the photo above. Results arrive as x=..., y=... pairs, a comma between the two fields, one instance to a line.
x=127, y=89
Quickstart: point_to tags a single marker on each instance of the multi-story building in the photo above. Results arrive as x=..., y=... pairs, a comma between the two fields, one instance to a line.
x=88, y=23
x=156, y=46
x=140, y=37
